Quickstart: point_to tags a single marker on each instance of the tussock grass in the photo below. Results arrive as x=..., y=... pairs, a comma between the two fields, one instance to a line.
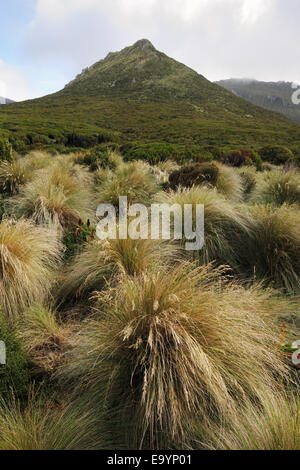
x=224, y=223
x=229, y=183
x=44, y=338
x=133, y=180
x=249, y=179
x=44, y=426
x=59, y=195
x=13, y=174
x=166, y=347
x=272, y=251
x=277, y=188
x=28, y=257
x=275, y=425
x=102, y=262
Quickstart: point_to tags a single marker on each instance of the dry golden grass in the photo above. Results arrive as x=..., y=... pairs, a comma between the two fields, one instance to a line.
x=272, y=251
x=59, y=195
x=229, y=183
x=274, y=425
x=224, y=223
x=45, y=426
x=13, y=175
x=102, y=262
x=277, y=188
x=28, y=256
x=44, y=337
x=133, y=180
x=166, y=347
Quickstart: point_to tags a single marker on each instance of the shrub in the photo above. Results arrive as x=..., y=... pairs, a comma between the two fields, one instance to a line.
x=60, y=195
x=133, y=180
x=243, y=157
x=278, y=155
x=6, y=151
x=194, y=174
x=224, y=179
x=28, y=257
x=168, y=346
x=15, y=374
x=152, y=153
x=44, y=426
x=237, y=158
x=99, y=158
x=277, y=188
x=272, y=251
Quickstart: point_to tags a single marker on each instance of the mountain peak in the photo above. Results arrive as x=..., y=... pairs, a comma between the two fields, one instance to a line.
x=144, y=45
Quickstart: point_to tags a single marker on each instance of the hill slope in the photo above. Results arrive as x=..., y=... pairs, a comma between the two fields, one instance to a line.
x=275, y=96
x=141, y=94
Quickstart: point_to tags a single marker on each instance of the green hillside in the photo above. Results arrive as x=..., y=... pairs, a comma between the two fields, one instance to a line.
x=140, y=94
x=275, y=96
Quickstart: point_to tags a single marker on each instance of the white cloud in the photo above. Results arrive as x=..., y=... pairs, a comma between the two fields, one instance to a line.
x=253, y=10
x=13, y=84
x=218, y=38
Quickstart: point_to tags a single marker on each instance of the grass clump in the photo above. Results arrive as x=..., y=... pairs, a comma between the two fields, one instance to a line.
x=13, y=174
x=166, y=347
x=45, y=426
x=272, y=426
x=59, y=195
x=43, y=337
x=277, y=188
x=133, y=180
x=224, y=223
x=102, y=262
x=272, y=252
x=28, y=257
x=15, y=374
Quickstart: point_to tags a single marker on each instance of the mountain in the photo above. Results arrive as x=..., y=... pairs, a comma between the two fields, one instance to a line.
x=275, y=96
x=141, y=94
x=5, y=100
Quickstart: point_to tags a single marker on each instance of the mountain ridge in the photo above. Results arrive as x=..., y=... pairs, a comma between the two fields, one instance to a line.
x=141, y=94
x=274, y=96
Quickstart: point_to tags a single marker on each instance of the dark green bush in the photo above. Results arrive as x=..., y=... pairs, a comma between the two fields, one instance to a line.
x=277, y=154
x=194, y=174
x=152, y=153
x=98, y=157
x=6, y=150
x=15, y=374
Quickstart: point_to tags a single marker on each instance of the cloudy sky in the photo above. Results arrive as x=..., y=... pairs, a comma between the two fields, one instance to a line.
x=45, y=43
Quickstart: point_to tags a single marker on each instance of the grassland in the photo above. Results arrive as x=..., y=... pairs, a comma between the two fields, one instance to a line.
x=139, y=344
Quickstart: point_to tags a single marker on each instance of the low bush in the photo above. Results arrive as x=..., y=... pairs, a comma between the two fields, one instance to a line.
x=278, y=155
x=194, y=174
x=6, y=150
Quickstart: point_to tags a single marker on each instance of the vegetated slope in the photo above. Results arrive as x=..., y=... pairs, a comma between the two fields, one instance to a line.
x=142, y=94
x=275, y=96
